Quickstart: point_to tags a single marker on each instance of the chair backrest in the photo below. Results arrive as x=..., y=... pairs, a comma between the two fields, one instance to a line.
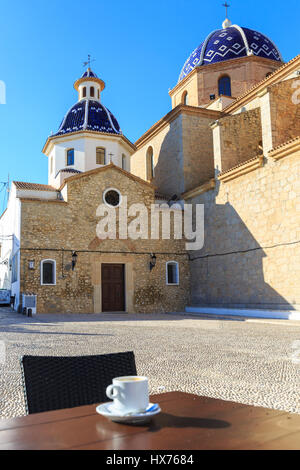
x=53, y=383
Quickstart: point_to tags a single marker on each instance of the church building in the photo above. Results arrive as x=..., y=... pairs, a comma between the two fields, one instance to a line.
x=231, y=143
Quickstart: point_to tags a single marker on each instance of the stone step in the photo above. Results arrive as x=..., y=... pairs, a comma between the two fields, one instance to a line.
x=250, y=313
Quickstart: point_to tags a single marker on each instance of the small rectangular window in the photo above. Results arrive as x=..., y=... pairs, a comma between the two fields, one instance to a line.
x=48, y=273
x=100, y=156
x=124, y=162
x=172, y=273
x=14, y=269
x=70, y=157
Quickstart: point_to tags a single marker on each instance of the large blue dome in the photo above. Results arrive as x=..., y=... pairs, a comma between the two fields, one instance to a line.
x=232, y=42
x=89, y=115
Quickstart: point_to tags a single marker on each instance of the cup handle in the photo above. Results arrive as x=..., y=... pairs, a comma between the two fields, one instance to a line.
x=110, y=391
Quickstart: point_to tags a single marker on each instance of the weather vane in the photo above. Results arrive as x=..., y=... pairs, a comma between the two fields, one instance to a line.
x=88, y=62
x=226, y=6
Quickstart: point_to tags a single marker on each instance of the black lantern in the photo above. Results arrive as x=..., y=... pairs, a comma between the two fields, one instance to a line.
x=74, y=259
x=152, y=261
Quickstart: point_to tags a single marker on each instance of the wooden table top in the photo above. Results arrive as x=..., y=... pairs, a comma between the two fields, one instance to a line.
x=187, y=422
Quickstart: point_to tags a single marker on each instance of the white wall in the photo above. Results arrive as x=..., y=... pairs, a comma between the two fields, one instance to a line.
x=85, y=154
x=10, y=228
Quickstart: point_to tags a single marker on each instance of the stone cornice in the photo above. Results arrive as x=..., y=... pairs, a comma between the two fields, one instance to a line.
x=85, y=133
x=219, y=66
x=241, y=169
x=203, y=188
x=285, y=149
x=260, y=88
x=173, y=114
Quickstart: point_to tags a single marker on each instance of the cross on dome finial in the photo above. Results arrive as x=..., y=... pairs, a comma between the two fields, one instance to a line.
x=227, y=23
x=226, y=6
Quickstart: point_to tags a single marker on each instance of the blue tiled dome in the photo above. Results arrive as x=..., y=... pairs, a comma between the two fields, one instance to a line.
x=89, y=73
x=232, y=42
x=91, y=116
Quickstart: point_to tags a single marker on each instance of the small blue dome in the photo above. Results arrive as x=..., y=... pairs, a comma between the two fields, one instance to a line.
x=231, y=42
x=91, y=116
x=89, y=73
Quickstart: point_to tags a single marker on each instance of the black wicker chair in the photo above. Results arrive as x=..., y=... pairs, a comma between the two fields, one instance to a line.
x=54, y=383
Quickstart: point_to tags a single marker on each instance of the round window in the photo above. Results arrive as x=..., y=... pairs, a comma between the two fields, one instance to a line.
x=112, y=197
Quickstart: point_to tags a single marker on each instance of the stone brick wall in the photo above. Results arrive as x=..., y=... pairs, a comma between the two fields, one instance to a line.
x=285, y=111
x=183, y=152
x=244, y=73
x=198, y=155
x=168, y=158
x=52, y=230
x=241, y=136
x=251, y=255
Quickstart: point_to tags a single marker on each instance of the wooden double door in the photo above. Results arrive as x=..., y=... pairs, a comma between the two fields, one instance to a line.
x=113, y=287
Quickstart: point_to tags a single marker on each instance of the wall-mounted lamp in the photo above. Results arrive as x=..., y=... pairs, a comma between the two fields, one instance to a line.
x=152, y=261
x=30, y=264
x=74, y=259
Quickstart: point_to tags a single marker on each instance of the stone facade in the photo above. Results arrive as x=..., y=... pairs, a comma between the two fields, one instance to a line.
x=241, y=138
x=182, y=145
x=203, y=81
x=238, y=156
x=285, y=111
x=250, y=257
x=54, y=229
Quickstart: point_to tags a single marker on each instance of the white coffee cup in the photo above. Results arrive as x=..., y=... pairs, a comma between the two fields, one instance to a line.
x=129, y=394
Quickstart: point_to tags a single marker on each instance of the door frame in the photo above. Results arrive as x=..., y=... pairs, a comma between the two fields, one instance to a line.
x=124, y=286
x=129, y=279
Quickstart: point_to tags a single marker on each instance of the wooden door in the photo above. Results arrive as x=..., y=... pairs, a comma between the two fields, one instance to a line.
x=113, y=288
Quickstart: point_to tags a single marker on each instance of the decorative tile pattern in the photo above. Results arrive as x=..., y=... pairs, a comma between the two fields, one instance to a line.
x=89, y=73
x=230, y=43
x=99, y=119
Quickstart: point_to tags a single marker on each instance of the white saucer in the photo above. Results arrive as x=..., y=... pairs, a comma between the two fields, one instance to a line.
x=108, y=410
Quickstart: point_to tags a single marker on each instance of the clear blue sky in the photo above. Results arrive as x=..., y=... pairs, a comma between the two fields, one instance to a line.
x=140, y=48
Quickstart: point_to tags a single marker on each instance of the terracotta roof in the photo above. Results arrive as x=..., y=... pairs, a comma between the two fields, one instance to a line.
x=3, y=214
x=240, y=164
x=33, y=186
x=285, y=144
x=162, y=196
x=105, y=168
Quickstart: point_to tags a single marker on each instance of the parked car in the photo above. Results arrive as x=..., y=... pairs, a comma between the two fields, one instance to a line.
x=5, y=297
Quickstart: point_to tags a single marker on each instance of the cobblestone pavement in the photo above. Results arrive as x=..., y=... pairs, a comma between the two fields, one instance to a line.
x=255, y=361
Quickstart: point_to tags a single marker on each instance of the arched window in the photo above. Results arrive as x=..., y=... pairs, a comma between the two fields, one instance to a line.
x=172, y=273
x=185, y=98
x=225, y=85
x=48, y=272
x=70, y=157
x=100, y=156
x=124, y=166
x=92, y=91
x=150, y=164
x=84, y=92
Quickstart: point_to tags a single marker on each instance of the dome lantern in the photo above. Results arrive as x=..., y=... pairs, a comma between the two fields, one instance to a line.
x=89, y=86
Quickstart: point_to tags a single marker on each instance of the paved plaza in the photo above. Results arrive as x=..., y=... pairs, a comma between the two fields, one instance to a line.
x=249, y=361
